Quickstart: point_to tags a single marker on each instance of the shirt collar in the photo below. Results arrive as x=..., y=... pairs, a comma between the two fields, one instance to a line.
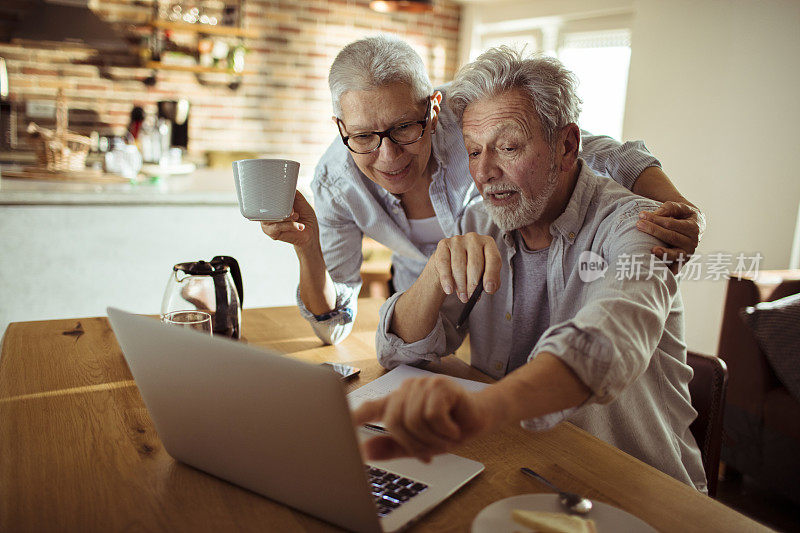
x=438, y=166
x=569, y=223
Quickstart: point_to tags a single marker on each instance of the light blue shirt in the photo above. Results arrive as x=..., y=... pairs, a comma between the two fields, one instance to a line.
x=349, y=205
x=624, y=338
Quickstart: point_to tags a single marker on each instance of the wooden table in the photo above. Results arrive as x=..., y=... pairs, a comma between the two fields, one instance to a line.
x=78, y=451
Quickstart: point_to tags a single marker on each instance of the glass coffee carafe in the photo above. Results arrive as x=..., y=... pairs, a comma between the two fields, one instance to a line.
x=214, y=287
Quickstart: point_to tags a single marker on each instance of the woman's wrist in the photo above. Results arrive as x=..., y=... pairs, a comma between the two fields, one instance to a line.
x=309, y=252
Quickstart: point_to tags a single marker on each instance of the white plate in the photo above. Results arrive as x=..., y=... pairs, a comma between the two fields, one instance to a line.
x=496, y=518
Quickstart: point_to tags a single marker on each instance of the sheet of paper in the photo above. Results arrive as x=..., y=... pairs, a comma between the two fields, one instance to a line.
x=392, y=380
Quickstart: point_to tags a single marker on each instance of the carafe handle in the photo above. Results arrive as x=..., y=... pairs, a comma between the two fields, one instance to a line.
x=236, y=274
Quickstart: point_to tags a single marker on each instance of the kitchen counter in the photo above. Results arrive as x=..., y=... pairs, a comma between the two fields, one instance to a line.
x=204, y=186
x=75, y=248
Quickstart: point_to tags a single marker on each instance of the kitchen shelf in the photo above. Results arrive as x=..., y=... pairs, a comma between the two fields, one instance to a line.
x=204, y=28
x=219, y=45
x=158, y=65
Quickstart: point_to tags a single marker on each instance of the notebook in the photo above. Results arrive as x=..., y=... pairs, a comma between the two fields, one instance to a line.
x=276, y=426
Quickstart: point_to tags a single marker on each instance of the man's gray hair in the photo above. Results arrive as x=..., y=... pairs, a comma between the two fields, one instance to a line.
x=375, y=62
x=549, y=84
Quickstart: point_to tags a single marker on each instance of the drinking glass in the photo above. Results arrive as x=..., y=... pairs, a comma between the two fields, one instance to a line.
x=198, y=320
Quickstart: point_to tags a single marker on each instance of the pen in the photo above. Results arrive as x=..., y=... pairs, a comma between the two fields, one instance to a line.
x=374, y=427
x=476, y=294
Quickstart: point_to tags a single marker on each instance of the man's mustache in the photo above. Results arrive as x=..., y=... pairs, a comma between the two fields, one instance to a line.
x=501, y=187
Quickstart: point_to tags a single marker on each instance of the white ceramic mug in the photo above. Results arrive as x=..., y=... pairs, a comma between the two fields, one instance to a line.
x=265, y=187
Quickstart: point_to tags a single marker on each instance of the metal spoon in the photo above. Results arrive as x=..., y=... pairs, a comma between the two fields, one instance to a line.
x=570, y=500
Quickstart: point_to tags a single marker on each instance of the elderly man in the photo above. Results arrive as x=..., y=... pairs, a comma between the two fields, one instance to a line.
x=606, y=354
x=399, y=174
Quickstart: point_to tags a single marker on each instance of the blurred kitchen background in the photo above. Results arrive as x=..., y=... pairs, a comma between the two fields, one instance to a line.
x=710, y=85
x=119, y=120
x=254, y=72
x=192, y=85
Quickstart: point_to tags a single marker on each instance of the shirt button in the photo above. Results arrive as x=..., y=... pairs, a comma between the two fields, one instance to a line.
x=498, y=366
x=571, y=235
x=508, y=316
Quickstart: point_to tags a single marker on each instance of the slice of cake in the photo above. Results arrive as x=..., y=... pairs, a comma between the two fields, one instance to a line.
x=546, y=522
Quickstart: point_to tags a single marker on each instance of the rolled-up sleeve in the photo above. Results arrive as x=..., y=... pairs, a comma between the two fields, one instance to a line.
x=393, y=351
x=622, y=162
x=610, y=341
x=442, y=340
x=340, y=239
x=333, y=327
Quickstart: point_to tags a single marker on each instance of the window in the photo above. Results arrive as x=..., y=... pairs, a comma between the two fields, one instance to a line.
x=600, y=60
x=597, y=50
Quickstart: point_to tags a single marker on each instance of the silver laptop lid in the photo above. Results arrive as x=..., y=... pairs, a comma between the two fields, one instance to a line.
x=281, y=429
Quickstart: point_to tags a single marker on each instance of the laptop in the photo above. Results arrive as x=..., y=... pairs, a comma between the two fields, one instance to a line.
x=276, y=426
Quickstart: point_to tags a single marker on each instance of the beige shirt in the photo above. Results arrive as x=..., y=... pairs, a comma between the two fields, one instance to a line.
x=624, y=338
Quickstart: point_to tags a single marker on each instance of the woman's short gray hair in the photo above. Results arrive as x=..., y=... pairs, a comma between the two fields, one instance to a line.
x=375, y=62
x=549, y=84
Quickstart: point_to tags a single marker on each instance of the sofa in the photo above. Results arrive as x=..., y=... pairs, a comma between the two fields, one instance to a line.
x=761, y=429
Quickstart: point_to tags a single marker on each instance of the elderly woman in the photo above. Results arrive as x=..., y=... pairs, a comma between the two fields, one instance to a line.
x=399, y=174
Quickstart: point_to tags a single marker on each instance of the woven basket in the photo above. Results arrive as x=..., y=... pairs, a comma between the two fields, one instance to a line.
x=60, y=150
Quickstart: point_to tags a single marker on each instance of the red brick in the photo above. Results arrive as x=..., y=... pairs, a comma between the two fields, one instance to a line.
x=283, y=109
x=40, y=72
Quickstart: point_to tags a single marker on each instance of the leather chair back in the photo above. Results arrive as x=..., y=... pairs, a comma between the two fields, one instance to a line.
x=707, y=388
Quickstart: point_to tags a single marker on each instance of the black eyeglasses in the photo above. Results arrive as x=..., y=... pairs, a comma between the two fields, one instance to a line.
x=405, y=133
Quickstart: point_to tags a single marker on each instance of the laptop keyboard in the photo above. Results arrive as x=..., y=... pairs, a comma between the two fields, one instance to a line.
x=390, y=490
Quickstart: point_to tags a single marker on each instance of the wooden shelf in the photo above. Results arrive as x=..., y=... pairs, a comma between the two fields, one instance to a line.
x=204, y=28
x=197, y=69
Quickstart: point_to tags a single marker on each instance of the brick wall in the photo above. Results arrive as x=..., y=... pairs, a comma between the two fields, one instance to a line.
x=281, y=110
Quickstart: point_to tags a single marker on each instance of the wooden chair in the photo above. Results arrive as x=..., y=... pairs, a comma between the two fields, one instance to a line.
x=376, y=270
x=707, y=389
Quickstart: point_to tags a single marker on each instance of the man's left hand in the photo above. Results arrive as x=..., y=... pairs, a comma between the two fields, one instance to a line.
x=679, y=225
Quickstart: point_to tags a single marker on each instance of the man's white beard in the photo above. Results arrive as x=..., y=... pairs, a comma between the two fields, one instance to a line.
x=527, y=210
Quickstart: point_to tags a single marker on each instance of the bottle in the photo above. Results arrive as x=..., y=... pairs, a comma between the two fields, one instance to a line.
x=157, y=45
x=164, y=127
x=137, y=117
x=236, y=58
x=150, y=141
x=204, y=47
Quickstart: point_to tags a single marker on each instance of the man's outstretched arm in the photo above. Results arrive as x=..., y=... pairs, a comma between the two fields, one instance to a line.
x=429, y=416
